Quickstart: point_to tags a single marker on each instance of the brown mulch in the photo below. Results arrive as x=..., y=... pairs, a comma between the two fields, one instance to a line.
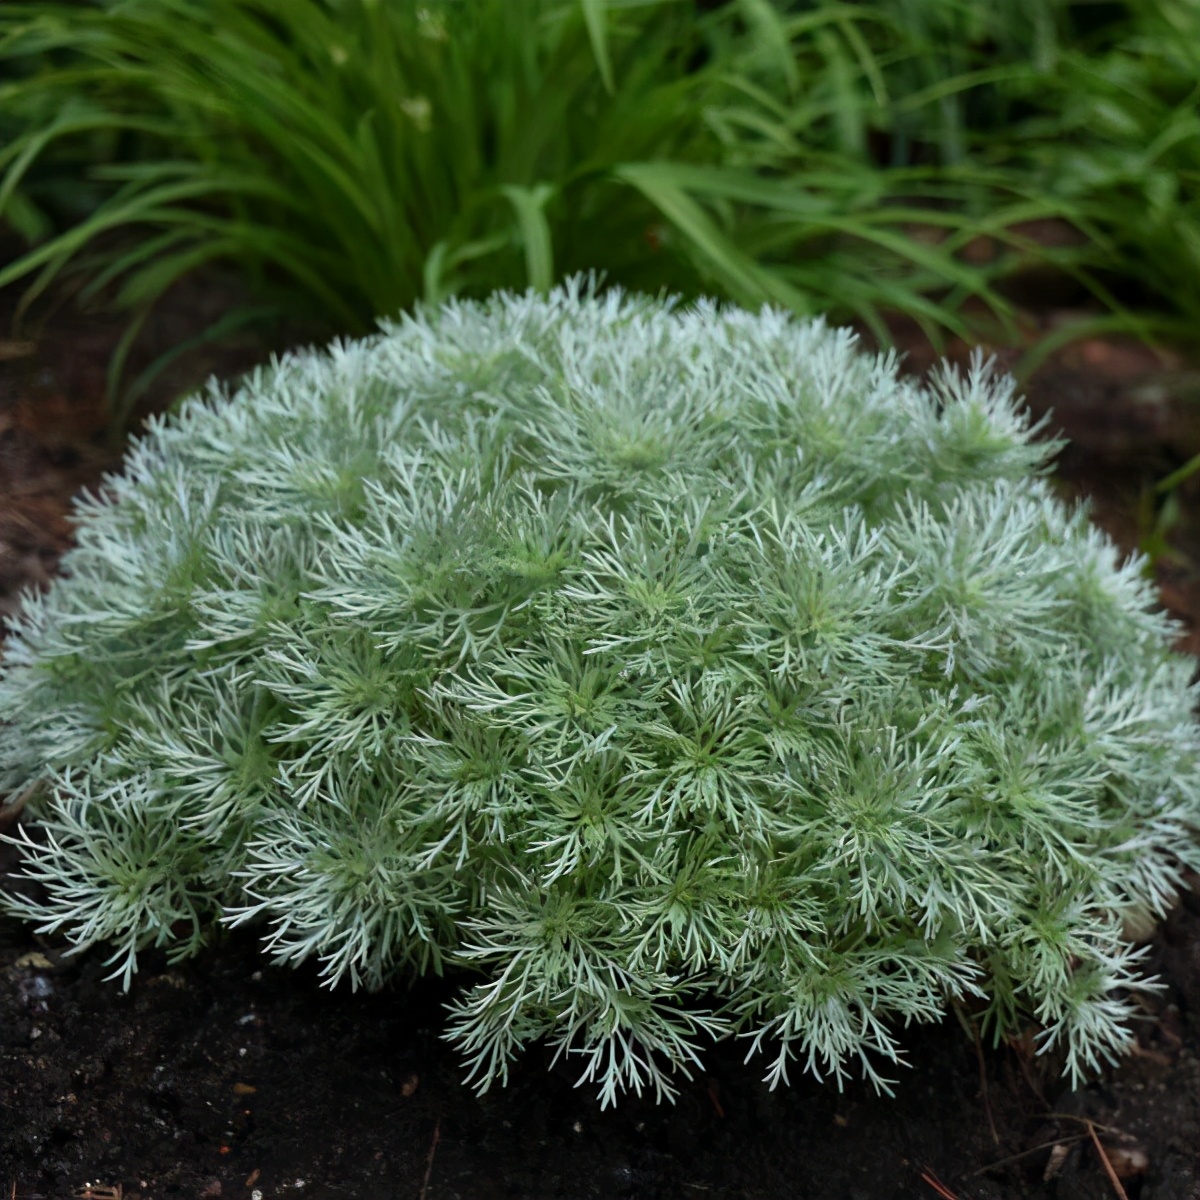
x=225, y=1077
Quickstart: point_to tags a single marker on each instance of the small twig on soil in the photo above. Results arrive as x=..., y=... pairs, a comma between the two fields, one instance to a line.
x=937, y=1185
x=983, y=1084
x=437, y=1133
x=1089, y=1124
x=1012, y=1158
x=10, y=812
x=1107, y=1165
x=1155, y=1056
x=1023, y=1062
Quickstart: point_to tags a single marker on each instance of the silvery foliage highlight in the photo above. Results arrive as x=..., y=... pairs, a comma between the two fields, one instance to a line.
x=687, y=672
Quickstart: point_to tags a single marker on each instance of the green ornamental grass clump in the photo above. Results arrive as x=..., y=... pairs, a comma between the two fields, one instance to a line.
x=682, y=672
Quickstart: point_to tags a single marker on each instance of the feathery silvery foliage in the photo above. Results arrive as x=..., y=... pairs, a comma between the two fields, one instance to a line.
x=686, y=672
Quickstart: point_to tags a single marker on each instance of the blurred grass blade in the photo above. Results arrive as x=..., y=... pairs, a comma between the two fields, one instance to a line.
x=439, y=281
x=748, y=281
x=123, y=401
x=767, y=23
x=530, y=207
x=595, y=13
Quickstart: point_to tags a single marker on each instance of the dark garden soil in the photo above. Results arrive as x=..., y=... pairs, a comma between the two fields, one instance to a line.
x=224, y=1077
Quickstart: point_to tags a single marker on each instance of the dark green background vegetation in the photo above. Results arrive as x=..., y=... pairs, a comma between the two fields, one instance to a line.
x=349, y=158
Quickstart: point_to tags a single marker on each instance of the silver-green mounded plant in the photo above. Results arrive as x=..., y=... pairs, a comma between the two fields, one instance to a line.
x=682, y=671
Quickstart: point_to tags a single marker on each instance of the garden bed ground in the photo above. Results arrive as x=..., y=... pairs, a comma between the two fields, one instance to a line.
x=226, y=1078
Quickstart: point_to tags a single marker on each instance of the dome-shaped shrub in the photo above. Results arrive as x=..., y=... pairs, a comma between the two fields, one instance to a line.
x=686, y=672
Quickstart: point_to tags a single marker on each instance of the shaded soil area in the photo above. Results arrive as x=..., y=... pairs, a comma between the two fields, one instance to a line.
x=224, y=1077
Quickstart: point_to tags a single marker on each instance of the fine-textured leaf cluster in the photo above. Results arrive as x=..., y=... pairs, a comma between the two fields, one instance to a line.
x=685, y=672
